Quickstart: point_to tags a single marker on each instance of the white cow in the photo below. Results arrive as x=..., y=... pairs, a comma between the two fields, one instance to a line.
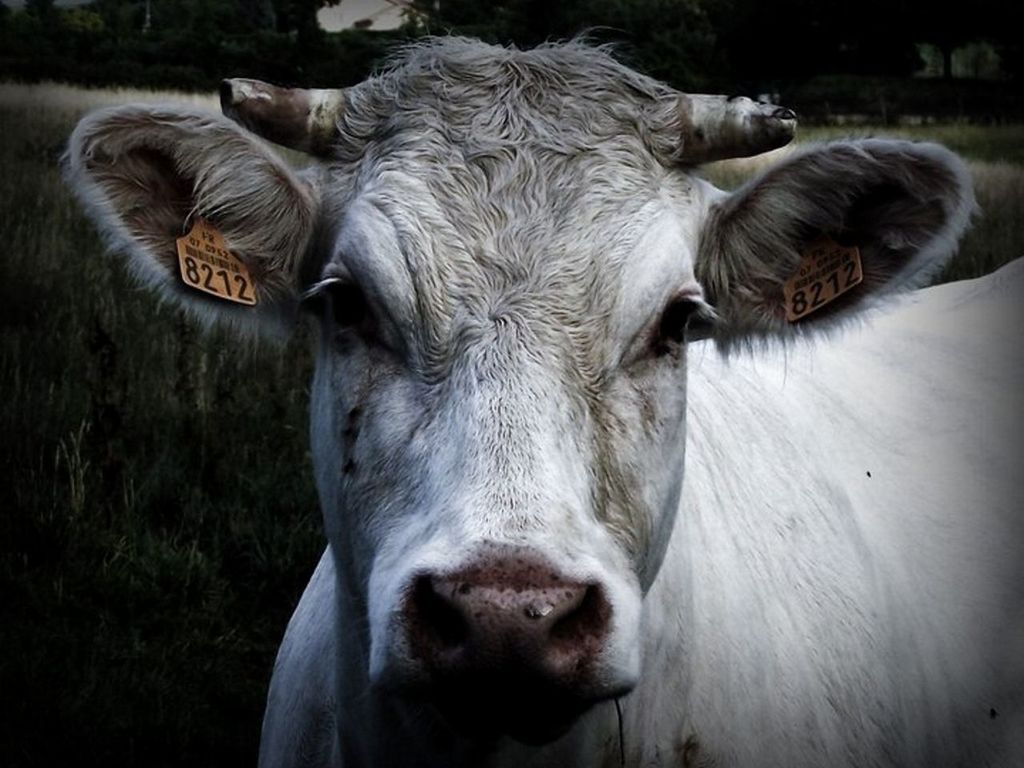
x=511, y=261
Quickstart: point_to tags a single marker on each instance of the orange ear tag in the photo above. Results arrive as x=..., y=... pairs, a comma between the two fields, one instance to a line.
x=207, y=265
x=827, y=271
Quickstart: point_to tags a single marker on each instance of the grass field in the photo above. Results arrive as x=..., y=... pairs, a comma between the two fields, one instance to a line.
x=158, y=518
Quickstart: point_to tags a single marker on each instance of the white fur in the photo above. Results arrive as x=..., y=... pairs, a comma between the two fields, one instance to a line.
x=808, y=614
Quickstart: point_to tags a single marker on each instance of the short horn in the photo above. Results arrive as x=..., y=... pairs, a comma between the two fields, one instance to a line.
x=298, y=118
x=718, y=127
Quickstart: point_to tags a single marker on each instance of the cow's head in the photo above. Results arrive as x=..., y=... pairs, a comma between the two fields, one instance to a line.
x=507, y=255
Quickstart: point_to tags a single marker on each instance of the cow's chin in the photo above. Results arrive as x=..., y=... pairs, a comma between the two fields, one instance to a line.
x=520, y=706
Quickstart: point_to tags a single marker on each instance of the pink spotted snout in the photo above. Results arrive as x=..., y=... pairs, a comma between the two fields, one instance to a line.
x=510, y=644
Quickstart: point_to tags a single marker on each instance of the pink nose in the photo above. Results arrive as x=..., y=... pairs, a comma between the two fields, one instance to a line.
x=509, y=629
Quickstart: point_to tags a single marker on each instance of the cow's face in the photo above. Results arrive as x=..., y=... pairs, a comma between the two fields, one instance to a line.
x=506, y=269
x=499, y=403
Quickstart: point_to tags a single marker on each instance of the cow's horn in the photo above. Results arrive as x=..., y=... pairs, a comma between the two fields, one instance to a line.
x=717, y=127
x=299, y=118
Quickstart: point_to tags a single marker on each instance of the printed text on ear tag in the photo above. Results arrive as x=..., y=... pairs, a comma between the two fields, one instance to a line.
x=207, y=265
x=827, y=271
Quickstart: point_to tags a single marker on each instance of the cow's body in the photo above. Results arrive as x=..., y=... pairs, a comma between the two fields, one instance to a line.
x=546, y=499
x=848, y=541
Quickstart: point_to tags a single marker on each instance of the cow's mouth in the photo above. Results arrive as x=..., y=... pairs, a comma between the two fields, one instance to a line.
x=528, y=710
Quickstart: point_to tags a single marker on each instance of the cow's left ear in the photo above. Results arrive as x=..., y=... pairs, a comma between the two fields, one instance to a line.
x=205, y=213
x=829, y=231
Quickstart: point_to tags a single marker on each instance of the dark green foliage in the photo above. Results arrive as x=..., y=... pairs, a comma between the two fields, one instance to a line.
x=739, y=45
x=670, y=39
x=731, y=46
x=769, y=46
x=189, y=44
x=41, y=9
x=883, y=100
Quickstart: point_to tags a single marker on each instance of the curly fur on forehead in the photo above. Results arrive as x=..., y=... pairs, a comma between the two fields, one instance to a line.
x=567, y=98
x=520, y=183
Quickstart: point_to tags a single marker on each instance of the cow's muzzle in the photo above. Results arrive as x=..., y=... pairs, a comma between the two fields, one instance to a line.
x=509, y=645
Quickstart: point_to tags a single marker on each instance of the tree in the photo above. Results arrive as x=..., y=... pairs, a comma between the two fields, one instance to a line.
x=669, y=39
x=40, y=9
x=948, y=26
x=259, y=13
x=299, y=17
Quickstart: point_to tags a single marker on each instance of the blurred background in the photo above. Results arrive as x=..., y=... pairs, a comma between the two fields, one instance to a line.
x=157, y=514
x=883, y=61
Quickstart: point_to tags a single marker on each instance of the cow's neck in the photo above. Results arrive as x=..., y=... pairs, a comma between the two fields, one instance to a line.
x=768, y=544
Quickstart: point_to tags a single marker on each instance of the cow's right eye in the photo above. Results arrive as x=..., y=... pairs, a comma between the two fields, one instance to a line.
x=347, y=305
x=338, y=300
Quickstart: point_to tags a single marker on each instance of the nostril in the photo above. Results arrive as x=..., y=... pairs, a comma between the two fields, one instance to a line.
x=439, y=621
x=585, y=625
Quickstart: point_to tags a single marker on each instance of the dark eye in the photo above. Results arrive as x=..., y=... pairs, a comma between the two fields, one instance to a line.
x=340, y=301
x=685, y=319
x=347, y=305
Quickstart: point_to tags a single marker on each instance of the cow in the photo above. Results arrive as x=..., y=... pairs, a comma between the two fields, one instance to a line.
x=600, y=486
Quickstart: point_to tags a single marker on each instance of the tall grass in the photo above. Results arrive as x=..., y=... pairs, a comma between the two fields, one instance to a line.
x=987, y=143
x=157, y=515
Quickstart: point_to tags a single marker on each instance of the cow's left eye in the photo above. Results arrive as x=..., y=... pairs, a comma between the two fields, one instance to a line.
x=685, y=319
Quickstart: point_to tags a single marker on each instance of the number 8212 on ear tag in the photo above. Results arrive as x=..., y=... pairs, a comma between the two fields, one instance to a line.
x=207, y=265
x=827, y=271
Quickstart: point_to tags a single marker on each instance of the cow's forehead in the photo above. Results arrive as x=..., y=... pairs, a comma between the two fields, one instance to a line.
x=460, y=100
x=584, y=251
x=539, y=189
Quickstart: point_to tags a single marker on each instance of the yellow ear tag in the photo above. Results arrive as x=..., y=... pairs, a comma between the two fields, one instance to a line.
x=207, y=265
x=827, y=271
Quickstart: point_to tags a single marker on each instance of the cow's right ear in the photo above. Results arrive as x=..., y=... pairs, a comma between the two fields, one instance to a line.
x=148, y=174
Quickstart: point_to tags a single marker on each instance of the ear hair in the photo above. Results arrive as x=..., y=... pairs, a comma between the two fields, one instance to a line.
x=143, y=173
x=904, y=204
